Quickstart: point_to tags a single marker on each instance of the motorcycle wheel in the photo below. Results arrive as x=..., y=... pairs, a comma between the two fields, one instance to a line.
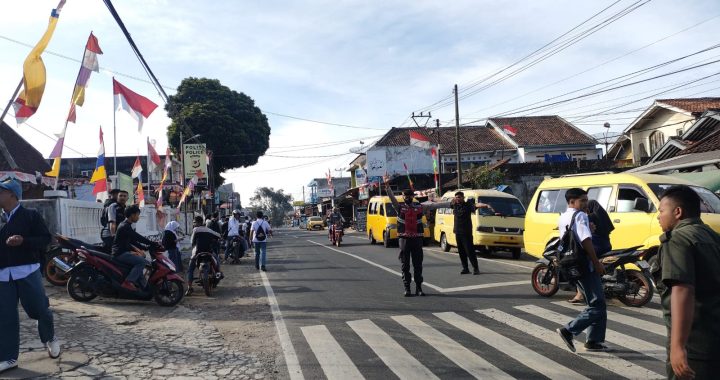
x=205, y=279
x=78, y=289
x=640, y=292
x=169, y=292
x=54, y=275
x=545, y=290
x=337, y=241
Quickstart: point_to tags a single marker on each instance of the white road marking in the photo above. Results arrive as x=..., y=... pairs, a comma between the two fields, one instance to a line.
x=404, y=365
x=646, y=348
x=291, y=359
x=333, y=360
x=654, y=328
x=605, y=360
x=464, y=358
x=647, y=311
x=529, y=267
x=509, y=347
x=427, y=284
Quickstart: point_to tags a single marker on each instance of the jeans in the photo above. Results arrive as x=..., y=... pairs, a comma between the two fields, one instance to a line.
x=594, y=317
x=260, y=254
x=176, y=258
x=138, y=264
x=466, y=249
x=411, y=250
x=30, y=292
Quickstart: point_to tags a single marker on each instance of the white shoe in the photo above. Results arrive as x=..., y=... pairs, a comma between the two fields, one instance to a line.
x=8, y=364
x=53, y=348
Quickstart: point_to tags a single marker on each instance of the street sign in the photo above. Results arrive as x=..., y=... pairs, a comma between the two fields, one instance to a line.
x=195, y=159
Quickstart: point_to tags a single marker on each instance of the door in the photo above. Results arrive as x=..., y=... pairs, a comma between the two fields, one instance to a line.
x=632, y=227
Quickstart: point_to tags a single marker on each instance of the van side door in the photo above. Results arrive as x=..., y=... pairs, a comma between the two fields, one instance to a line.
x=632, y=225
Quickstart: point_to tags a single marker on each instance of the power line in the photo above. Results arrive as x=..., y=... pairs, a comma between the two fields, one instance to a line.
x=281, y=169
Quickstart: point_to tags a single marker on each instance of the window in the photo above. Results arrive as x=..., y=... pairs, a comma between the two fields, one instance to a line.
x=382, y=210
x=552, y=201
x=373, y=209
x=503, y=206
x=601, y=195
x=626, y=198
x=390, y=210
x=710, y=202
x=679, y=132
x=657, y=139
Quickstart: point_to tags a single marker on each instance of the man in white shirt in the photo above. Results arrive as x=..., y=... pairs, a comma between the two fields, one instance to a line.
x=594, y=317
x=260, y=231
x=233, y=231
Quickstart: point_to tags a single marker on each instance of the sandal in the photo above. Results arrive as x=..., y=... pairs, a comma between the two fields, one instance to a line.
x=577, y=301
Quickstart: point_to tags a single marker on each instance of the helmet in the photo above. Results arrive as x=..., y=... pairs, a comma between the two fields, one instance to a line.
x=236, y=212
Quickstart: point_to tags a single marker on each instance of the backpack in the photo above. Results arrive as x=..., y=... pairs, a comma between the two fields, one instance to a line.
x=104, y=215
x=570, y=262
x=260, y=233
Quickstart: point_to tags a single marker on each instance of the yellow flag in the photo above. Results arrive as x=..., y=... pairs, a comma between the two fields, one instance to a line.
x=55, y=171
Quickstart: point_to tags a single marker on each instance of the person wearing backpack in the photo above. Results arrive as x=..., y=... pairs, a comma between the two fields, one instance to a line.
x=588, y=271
x=112, y=216
x=260, y=230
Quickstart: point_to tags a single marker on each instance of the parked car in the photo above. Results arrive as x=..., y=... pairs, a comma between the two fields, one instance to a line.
x=499, y=227
x=382, y=222
x=631, y=200
x=315, y=223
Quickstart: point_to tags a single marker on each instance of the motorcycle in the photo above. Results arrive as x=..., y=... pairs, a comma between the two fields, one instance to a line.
x=99, y=274
x=209, y=276
x=630, y=286
x=336, y=234
x=236, y=250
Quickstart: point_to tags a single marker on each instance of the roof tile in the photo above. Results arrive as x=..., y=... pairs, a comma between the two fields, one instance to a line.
x=472, y=138
x=692, y=105
x=543, y=130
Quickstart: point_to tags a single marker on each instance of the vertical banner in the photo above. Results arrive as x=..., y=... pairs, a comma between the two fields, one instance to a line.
x=195, y=159
x=125, y=182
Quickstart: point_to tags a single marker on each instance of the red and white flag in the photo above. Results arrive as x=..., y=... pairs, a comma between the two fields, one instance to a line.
x=509, y=130
x=138, y=106
x=419, y=140
x=153, y=158
x=137, y=169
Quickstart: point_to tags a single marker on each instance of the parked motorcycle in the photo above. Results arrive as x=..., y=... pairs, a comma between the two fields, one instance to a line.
x=336, y=234
x=99, y=274
x=209, y=276
x=63, y=254
x=632, y=287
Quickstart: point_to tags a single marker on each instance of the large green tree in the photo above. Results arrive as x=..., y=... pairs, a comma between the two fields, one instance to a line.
x=234, y=129
x=276, y=203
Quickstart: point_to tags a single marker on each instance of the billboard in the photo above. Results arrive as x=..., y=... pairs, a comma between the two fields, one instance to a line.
x=360, y=177
x=195, y=158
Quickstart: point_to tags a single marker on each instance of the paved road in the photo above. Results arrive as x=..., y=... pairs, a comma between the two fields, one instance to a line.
x=346, y=318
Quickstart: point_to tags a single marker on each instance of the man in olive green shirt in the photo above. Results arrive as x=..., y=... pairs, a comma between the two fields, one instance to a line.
x=690, y=286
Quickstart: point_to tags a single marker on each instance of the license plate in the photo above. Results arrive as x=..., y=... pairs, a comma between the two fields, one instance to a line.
x=643, y=264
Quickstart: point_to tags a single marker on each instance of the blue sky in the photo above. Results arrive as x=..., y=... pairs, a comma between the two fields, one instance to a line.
x=367, y=64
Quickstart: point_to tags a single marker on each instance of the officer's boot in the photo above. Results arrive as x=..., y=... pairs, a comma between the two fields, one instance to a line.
x=407, y=291
x=418, y=290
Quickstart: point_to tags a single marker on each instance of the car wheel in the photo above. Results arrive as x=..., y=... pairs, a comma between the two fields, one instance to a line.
x=444, y=243
x=516, y=253
x=386, y=240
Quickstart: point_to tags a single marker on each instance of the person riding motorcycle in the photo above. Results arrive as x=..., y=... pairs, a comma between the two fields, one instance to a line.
x=122, y=249
x=234, y=232
x=332, y=220
x=203, y=240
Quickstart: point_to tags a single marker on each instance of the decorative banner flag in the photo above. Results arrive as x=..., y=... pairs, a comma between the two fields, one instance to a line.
x=433, y=153
x=140, y=200
x=412, y=186
x=190, y=186
x=153, y=158
x=329, y=180
x=419, y=140
x=168, y=165
x=34, y=76
x=56, y=154
x=99, y=176
x=138, y=106
x=89, y=64
x=509, y=130
x=137, y=169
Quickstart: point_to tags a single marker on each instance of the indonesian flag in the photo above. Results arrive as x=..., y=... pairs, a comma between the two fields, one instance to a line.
x=328, y=176
x=138, y=106
x=153, y=157
x=418, y=140
x=34, y=75
x=99, y=176
x=137, y=169
x=512, y=131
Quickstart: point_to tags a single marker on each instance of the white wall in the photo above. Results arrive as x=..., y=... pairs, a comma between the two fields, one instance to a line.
x=390, y=159
x=672, y=121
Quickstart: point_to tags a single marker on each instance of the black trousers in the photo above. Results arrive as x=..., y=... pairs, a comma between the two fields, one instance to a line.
x=411, y=249
x=466, y=250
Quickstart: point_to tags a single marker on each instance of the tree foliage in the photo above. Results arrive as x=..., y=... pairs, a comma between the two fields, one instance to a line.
x=276, y=203
x=234, y=129
x=482, y=177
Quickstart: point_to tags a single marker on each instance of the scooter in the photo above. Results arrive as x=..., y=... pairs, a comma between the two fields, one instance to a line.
x=336, y=234
x=99, y=274
x=236, y=250
x=209, y=276
x=632, y=287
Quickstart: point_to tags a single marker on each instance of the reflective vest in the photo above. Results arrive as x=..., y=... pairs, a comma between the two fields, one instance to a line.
x=409, y=220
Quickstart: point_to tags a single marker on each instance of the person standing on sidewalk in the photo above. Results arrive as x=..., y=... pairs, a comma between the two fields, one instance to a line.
x=23, y=238
x=594, y=317
x=690, y=264
x=169, y=241
x=260, y=230
x=462, y=212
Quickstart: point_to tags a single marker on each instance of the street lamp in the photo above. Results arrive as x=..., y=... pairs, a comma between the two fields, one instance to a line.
x=607, y=129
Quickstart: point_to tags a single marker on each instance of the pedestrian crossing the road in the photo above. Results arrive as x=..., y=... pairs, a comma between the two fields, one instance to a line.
x=489, y=343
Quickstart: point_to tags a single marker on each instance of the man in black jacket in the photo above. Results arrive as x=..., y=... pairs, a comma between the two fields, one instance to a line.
x=463, y=211
x=23, y=238
x=203, y=239
x=125, y=239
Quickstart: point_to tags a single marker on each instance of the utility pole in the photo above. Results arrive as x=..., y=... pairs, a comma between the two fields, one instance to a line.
x=437, y=133
x=422, y=116
x=457, y=139
x=303, y=198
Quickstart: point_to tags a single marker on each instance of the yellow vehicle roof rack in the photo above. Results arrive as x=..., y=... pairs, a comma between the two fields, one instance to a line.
x=584, y=174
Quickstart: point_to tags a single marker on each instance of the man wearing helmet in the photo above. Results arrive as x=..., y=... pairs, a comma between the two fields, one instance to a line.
x=334, y=218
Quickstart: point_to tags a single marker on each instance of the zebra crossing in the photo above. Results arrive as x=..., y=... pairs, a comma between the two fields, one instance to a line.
x=488, y=343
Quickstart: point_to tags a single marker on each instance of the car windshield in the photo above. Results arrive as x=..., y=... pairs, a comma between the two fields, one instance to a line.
x=501, y=205
x=710, y=202
x=316, y=219
x=390, y=210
